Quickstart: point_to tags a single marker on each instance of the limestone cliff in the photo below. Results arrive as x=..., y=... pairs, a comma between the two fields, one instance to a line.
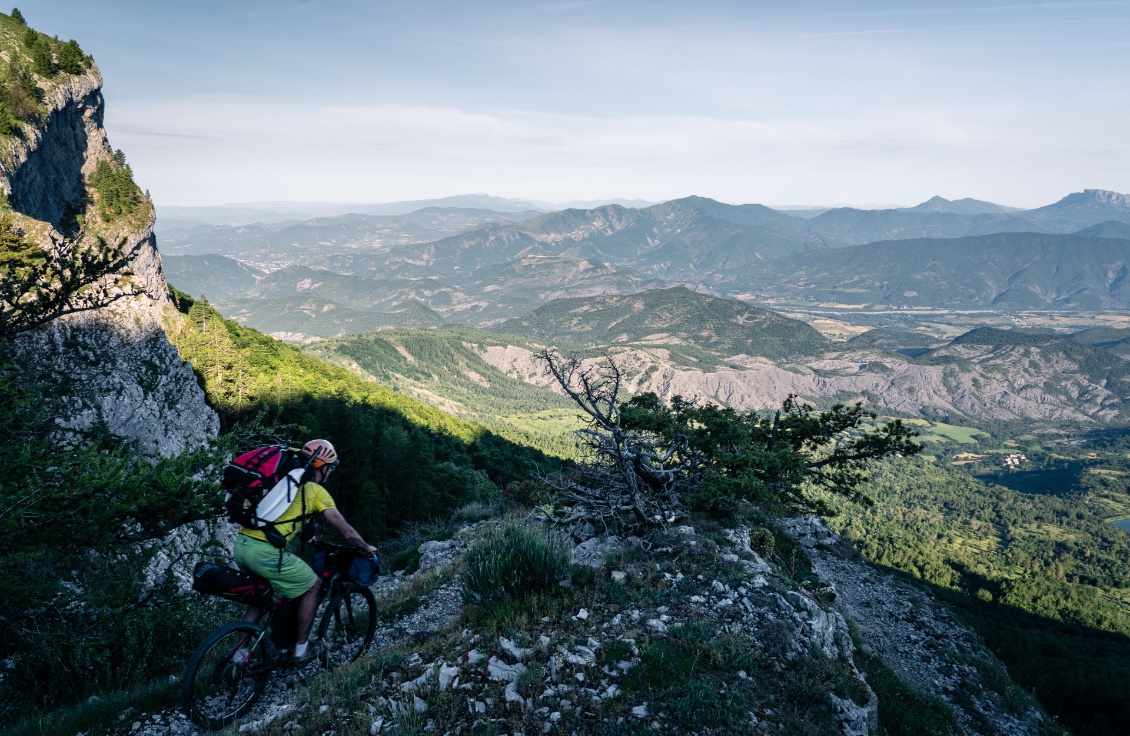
x=114, y=367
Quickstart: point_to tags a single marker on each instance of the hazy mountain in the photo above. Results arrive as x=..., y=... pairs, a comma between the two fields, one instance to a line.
x=965, y=206
x=343, y=231
x=674, y=316
x=217, y=277
x=244, y=213
x=848, y=226
x=1007, y=270
x=1108, y=229
x=302, y=317
x=362, y=292
x=1081, y=210
x=687, y=239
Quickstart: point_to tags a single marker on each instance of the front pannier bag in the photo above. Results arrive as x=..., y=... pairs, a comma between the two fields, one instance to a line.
x=234, y=585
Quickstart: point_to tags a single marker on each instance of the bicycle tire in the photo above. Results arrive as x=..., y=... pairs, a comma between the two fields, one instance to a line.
x=215, y=691
x=348, y=625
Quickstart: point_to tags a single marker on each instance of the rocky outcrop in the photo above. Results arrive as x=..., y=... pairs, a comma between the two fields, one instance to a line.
x=44, y=171
x=112, y=369
x=919, y=639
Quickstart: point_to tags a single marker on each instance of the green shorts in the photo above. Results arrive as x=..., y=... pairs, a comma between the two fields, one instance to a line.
x=289, y=575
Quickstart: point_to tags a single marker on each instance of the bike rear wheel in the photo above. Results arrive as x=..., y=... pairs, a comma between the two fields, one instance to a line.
x=216, y=687
x=348, y=625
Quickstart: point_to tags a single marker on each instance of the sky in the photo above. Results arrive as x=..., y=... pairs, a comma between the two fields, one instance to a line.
x=779, y=103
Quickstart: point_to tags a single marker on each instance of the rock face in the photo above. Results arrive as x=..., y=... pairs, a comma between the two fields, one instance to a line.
x=113, y=368
x=917, y=638
x=1000, y=383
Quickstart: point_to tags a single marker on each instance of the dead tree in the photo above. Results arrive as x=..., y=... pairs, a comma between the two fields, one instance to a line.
x=624, y=482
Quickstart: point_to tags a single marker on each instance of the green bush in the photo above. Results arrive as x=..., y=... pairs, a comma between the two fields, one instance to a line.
x=19, y=92
x=407, y=560
x=518, y=559
x=762, y=541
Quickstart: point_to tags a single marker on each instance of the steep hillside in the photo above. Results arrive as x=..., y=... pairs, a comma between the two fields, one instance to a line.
x=1004, y=271
x=445, y=368
x=669, y=316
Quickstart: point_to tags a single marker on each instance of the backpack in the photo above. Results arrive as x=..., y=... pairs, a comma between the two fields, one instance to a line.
x=261, y=485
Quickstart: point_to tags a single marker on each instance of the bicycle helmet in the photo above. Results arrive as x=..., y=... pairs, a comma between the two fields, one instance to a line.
x=322, y=452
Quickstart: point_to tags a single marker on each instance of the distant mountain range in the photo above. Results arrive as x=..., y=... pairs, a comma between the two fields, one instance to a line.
x=172, y=216
x=482, y=266
x=1003, y=271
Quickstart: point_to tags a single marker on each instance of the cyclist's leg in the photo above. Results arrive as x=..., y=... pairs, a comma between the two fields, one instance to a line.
x=307, y=606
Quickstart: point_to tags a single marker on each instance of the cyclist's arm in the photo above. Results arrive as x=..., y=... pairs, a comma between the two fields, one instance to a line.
x=338, y=522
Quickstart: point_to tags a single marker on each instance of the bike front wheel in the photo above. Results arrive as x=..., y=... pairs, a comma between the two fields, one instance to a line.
x=226, y=674
x=348, y=625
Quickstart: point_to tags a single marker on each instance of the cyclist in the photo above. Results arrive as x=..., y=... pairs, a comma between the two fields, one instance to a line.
x=290, y=576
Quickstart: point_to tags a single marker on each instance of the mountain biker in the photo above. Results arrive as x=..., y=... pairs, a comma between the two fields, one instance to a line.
x=290, y=576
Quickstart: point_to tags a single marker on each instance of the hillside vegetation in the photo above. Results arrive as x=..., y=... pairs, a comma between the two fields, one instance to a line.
x=1005, y=271
x=445, y=368
x=669, y=316
x=1039, y=575
x=403, y=460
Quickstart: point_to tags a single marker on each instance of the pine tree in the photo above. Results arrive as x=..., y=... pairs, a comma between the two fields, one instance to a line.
x=71, y=58
x=18, y=17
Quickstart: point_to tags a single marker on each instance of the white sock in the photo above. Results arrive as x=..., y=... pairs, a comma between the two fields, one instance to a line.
x=241, y=655
x=300, y=649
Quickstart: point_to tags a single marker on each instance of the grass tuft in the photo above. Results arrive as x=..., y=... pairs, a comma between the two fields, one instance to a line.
x=517, y=560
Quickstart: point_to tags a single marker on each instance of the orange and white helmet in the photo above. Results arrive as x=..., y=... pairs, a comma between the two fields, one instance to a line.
x=321, y=453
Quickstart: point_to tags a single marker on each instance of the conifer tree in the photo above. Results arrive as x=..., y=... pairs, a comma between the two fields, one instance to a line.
x=18, y=17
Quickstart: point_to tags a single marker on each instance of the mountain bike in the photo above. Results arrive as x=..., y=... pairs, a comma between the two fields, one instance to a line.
x=221, y=682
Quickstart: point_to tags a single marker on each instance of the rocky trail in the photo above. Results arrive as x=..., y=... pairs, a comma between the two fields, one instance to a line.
x=571, y=671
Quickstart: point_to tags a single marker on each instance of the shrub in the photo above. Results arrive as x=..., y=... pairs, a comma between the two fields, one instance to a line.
x=8, y=123
x=762, y=541
x=407, y=560
x=19, y=92
x=518, y=559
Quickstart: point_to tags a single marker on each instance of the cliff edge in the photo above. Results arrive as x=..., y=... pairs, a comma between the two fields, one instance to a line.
x=64, y=187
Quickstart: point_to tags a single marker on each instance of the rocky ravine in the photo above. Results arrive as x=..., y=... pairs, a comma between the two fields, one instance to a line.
x=570, y=671
x=114, y=367
x=982, y=381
